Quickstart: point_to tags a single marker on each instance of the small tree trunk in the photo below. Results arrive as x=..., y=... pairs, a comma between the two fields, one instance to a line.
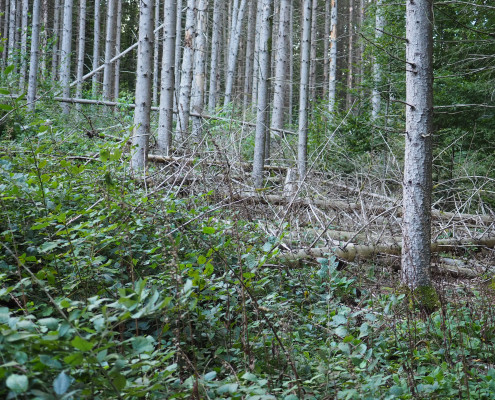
x=57, y=38
x=141, y=132
x=11, y=41
x=350, y=56
x=33, y=63
x=186, y=74
x=109, y=49
x=215, y=53
x=118, y=39
x=291, y=62
x=233, y=50
x=416, y=228
x=262, y=103
x=44, y=39
x=332, y=78
x=326, y=42
x=80, y=54
x=312, y=56
x=302, y=146
x=256, y=65
x=166, y=117
x=156, y=51
x=248, y=70
x=6, y=30
x=178, y=52
x=65, y=56
x=96, y=48
x=377, y=69
x=198, y=83
x=24, y=35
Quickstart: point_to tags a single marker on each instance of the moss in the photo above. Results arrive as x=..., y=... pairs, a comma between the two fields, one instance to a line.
x=423, y=298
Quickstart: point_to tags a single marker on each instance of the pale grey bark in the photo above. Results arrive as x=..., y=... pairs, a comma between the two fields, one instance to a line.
x=281, y=63
x=178, y=48
x=377, y=68
x=256, y=64
x=416, y=228
x=291, y=62
x=248, y=70
x=166, y=117
x=215, y=53
x=237, y=19
x=109, y=50
x=11, y=40
x=332, y=77
x=141, y=132
x=80, y=53
x=184, y=102
x=6, y=19
x=350, y=56
x=118, y=38
x=56, y=38
x=96, y=47
x=156, y=52
x=43, y=39
x=24, y=35
x=312, y=53
x=65, y=55
x=33, y=63
x=302, y=143
x=262, y=103
x=198, y=82
x=326, y=42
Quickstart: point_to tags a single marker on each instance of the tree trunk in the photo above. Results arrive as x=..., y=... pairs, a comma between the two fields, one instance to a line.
x=109, y=49
x=65, y=56
x=312, y=56
x=141, y=133
x=82, y=43
x=118, y=40
x=33, y=63
x=42, y=56
x=166, y=117
x=377, y=69
x=416, y=228
x=262, y=103
x=178, y=51
x=326, y=42
x=156, y=51
x=256, y=64
x=96, y=48
x=24, y=35
x=6, y=30
x=332, y=77
x=248, y=70
x=198, y=83
x=57, y=38
x=215, y=53
x=302, y=146
x=186, y=74
x=11, y=41
x=238, y=16
x=350, y=56
x=282, y=60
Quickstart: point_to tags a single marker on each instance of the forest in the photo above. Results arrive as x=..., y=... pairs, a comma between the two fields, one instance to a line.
x=247, y=199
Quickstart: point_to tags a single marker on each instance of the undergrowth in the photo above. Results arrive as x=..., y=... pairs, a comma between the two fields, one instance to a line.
x=111, y=289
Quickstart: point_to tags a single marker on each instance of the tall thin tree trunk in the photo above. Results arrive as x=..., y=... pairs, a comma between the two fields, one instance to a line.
x=198, y=83
x=215, y=53
x=326, y=42
x=57, y=37
x=109, y=50
x=350, y=55
x=332, y=77
x=11, y=41
x=282, y=60
x=377, y=69
x=291, y=63
x=43, y=39
x=233, y=50
x=96, y=48
x=24, y=35
x=141, y=132
x=302, y=146
x=6, y=30
x=250, y=37
x=33, y=63
x=166, y=117
x=416, y=226
x=156, y=53
x=312, y=56
x=178, y=52
x=118, y=40
x=256, y=63
x=186, y=74
x=82, y=44
x=262, y=103
x=65, y=56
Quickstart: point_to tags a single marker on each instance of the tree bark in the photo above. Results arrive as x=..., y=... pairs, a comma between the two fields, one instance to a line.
x=96, y=47
x=156, y=52
x=332, y=78
x=262, y=103
x=198, y=83
x=56, y=38
x=6, y=30
x=248, y=70
x=302, y=146
x=141, y=132
x=24, y=35
x=166, y=117
x=350, y=56
x=178, y=51
x=377, y=69
x=82, y=43
x=215, y=54
x=11, y=40
x=33, y=63
x=65, y=56
x=118, y=41
x=256, y=65
x=416, y=229
x=312, y=56
x=326, y=43
x=109, y=49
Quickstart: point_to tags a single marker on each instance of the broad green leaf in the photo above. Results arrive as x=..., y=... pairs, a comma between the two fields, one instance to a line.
x=81, y=344
x=209, y=230
x=210, y=376
x=119, y=381
x=141, y=344
x=50, y=362
x=228, y=388
x=61, y=383
x=6, y=107
x=17, y=383
x=74, y=359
